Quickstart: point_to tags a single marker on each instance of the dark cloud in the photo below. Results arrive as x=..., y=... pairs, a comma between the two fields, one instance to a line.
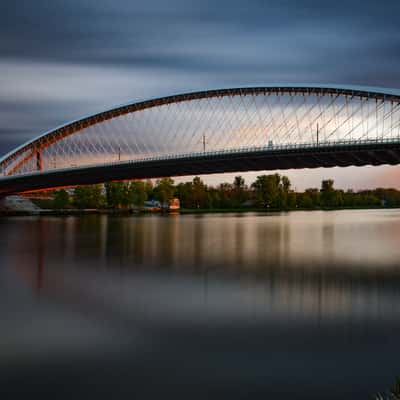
x=61, y=59
x=193, y=35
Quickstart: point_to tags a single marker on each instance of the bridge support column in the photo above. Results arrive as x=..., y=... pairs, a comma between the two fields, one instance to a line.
x=39, y=160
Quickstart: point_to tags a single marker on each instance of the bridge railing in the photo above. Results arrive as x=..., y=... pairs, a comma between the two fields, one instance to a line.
x=267, y=148
x=280, y=147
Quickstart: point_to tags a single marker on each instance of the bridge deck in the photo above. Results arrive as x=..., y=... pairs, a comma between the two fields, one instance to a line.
x=342, y=155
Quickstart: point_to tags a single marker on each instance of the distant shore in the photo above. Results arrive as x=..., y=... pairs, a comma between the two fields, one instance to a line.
x=124, y=211
x=276, y=210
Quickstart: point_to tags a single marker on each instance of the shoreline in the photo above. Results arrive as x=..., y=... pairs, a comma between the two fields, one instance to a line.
x=131, y=212
x=278, y=210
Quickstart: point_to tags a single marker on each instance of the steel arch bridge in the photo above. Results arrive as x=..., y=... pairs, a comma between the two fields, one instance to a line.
x=214, y=131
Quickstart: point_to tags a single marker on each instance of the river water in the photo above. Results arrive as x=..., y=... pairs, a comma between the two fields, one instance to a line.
x=302, y=305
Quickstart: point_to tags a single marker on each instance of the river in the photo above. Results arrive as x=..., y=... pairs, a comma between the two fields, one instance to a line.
x=302, y=305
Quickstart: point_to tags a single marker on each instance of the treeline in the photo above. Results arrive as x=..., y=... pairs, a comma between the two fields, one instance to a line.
x=266, y=192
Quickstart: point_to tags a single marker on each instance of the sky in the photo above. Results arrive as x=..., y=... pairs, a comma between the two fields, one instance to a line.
x=63, y=59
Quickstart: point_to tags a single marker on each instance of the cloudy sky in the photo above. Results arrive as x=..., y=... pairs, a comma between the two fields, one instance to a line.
x=62, y=59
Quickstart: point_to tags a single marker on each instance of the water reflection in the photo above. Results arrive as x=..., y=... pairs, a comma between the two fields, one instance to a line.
x=324, y=284
x=304, y=264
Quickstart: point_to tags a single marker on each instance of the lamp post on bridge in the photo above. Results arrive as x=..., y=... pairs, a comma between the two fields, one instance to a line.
x=203, y=142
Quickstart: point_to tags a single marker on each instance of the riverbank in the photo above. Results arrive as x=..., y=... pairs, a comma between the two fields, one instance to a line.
x=274, y=210
x=130, y=211
x=67, y=212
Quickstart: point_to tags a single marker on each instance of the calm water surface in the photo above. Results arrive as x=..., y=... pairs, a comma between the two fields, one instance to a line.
x=301, y=305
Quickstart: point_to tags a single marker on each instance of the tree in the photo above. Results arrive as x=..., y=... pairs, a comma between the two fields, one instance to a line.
x=331, y=197
x=164, y=190
x=209, y=200
x=184, y=193
x=291, y=200
x=199, y=192
x=328, y=193
x=285, y=182
x=137, y=193
x=148, y=187
x=125, y=193
x=284, y=193
x=305, y=200
x=238, y=183
x=267, y=188
x=116, y=194
x=61, y=199
x=239, y=194
x=225, y=191
x=315, y=196
x=90, y=196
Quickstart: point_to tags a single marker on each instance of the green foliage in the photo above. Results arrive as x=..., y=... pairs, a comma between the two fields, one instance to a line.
x=125, y=194
x=137, y=193
x=391, y=197
x=239, y=194
x=45, y=204
x=315, y=196
x=198, y=192
x=184, y=193
x=268, y=191
x=225, y=195
x=194, y=194
x=305, y=201
x=291, y=200
x=328, y=194
x=90, y=196
x=330, y=197
x=148, y=187
x=61, y=199
x=164, y=190
x=272, y=191
x=117, y=194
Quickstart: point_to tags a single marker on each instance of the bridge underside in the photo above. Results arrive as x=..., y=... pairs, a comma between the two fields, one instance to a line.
x=322, y=156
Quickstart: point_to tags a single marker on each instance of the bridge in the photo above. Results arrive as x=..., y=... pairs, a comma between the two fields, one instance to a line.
x=214, y=131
